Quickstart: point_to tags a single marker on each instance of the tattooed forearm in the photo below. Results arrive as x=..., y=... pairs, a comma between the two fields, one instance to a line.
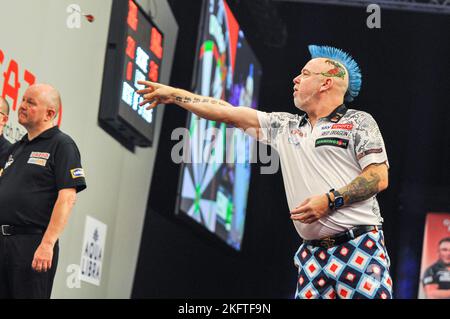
x=361, y=188
x=197, y=100
x=202, y=106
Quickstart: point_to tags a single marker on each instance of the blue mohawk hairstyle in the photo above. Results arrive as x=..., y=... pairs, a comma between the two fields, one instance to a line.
x=354, y=72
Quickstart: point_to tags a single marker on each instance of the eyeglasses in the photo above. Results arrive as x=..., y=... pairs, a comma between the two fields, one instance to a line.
x=3, y=113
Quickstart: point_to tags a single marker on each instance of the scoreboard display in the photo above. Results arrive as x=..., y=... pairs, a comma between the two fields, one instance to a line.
x=134, y=52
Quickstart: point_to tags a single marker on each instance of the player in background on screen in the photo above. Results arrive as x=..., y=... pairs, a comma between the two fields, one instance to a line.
x=436, y=278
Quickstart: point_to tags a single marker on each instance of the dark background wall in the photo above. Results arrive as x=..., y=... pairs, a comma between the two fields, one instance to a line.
x=406, y=86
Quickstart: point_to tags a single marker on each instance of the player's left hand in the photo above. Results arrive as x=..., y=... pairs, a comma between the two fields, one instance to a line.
x=311, y=209
x=43, y=256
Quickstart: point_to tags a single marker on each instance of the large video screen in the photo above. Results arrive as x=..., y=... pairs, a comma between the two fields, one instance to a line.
x=135, y=52
x=214, y=185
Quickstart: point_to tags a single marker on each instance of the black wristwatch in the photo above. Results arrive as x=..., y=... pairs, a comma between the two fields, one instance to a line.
x=338, y=199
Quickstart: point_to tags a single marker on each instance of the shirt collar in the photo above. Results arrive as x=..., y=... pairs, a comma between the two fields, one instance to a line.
x=441, y=263
x=335, y=116
x=45, y=135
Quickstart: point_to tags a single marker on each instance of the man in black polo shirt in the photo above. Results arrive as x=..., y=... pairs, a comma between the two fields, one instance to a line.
x=436, y=279
x=4, y=115
x=38, y=187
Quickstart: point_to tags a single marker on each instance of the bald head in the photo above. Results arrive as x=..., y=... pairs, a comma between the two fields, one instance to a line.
x=322, y=81
x=48, y=95
x=39, y=107
x=4, y=106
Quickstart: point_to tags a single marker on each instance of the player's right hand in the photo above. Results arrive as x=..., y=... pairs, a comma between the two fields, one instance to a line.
x=155, y=93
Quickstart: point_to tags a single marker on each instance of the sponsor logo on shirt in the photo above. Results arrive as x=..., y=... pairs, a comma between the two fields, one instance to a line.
x=298, y=132
x=332, y=141
x=9, y=162
x=77, y=173
x=40, y=155
x=294, y=137
x=444, y=276
x=371, y=151
x=38, y=158
x=347, y=127
x=37, y=161
x=340, y=133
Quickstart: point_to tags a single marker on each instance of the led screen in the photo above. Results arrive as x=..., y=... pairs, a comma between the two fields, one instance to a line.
x=214, y=185
x=135, y=52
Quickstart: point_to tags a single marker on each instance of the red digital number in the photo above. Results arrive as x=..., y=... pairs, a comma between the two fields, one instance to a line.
x=154, y=71
x=156, y=43
x=132, y=15
x=129, y=71
x=131, y=47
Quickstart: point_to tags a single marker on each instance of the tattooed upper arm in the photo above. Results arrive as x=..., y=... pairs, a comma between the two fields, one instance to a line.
x=376, y=166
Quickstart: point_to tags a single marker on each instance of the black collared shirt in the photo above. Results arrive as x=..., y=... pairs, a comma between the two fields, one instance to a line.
x=4, y=147
x=34, y=173
x=437, y=274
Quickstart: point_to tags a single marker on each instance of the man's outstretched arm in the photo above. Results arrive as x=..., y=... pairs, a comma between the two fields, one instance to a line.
x=205, y=107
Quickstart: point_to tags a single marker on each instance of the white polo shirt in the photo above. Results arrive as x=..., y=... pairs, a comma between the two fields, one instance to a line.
x=329, y=155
